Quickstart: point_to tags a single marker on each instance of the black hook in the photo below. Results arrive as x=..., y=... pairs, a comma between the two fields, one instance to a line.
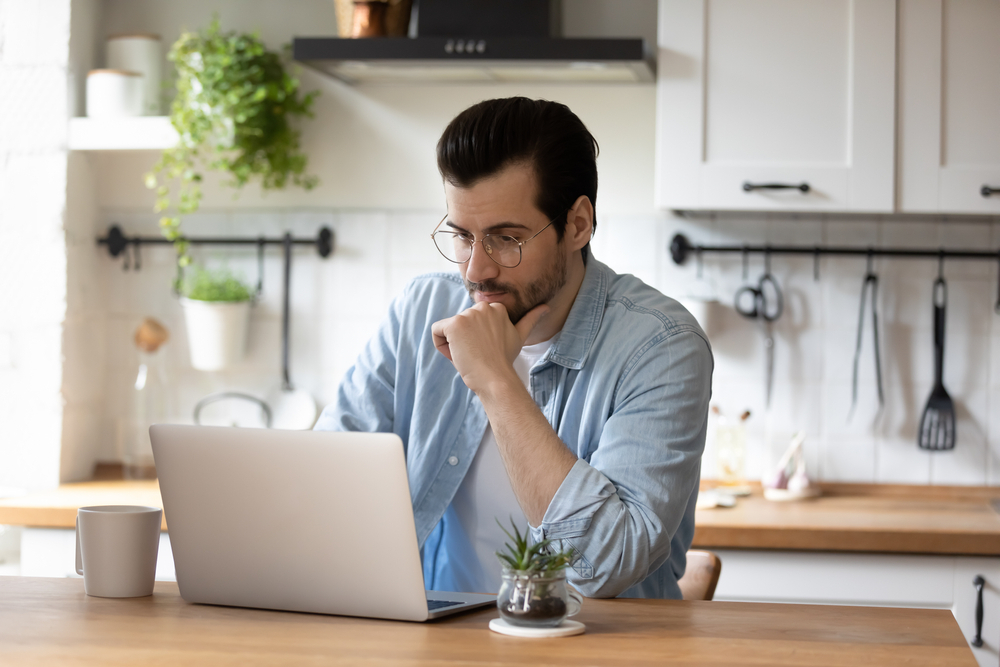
x=126, y=263
x=260, y=266
x=996, y=307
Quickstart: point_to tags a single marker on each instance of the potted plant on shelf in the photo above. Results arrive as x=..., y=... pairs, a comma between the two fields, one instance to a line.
x=233, y=113
x=217, y=315
x=534, y=591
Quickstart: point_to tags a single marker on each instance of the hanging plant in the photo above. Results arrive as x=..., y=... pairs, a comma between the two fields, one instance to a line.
x=232, y=114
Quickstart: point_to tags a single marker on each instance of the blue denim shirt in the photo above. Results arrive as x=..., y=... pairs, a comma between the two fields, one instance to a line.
x=626, y=386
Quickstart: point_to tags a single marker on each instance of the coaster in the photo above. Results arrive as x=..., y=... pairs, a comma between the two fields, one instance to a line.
x=564, y=629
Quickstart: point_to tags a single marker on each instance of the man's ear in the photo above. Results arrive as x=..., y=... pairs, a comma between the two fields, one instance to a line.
x=579, y=223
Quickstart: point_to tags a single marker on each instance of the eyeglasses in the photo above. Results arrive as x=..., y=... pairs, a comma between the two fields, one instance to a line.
x=457, y=246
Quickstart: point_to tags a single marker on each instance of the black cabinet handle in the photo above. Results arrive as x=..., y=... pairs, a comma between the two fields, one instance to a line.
x=802, y=187
x=986, y=191
x=978, y=582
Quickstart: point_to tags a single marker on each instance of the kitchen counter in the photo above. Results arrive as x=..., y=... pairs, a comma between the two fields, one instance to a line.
x=872, y=518
x=52, y=621
x=57, y=508
x=847, y=517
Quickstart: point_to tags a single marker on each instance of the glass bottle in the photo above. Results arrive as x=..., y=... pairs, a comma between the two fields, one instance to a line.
x=151, y=402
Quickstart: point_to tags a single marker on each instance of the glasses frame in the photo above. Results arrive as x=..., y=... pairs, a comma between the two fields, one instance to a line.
x=473, y=242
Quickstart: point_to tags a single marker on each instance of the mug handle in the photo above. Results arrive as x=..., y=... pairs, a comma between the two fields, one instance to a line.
x=575, y=601
x=79, y=554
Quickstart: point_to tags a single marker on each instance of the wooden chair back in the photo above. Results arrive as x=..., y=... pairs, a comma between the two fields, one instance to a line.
x=701, y=576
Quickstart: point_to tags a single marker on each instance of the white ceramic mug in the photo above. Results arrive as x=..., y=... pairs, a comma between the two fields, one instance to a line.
x=116, y=547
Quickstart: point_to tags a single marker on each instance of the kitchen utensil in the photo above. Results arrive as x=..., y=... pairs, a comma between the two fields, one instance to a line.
x=937, y=423
x=870, y=281
x=291, y=408
x=763, y=303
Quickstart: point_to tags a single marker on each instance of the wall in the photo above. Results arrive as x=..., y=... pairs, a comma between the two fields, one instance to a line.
x=373, y=150
x=34, y=39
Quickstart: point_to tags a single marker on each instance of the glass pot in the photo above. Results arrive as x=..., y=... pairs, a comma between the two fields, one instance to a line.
x=537, y=601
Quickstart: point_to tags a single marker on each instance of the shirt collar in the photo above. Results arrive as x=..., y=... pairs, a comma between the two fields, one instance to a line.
x=580, y=329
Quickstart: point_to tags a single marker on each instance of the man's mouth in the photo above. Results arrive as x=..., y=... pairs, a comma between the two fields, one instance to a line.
x=489, y=296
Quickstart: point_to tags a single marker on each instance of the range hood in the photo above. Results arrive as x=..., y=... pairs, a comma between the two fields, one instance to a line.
x=477, y=59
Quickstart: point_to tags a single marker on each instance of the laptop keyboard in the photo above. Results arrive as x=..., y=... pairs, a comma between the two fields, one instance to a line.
x=440, y=604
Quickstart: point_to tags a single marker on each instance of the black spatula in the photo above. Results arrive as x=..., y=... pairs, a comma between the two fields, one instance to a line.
x=937, y=423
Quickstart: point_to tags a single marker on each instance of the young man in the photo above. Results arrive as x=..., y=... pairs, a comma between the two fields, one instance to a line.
x=536, y=384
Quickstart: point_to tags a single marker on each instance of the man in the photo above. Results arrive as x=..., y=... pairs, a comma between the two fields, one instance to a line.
x=536, y=384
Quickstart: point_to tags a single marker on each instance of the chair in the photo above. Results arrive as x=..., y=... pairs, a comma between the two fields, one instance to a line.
x=701, y=576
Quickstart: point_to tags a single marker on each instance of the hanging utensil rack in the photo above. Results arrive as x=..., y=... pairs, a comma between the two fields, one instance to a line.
x=118, y=243
x=681, y=248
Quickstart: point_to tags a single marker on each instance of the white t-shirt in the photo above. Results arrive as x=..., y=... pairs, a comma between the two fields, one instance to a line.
x=485, y=496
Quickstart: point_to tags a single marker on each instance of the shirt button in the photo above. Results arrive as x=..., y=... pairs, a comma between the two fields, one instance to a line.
x=453, y=460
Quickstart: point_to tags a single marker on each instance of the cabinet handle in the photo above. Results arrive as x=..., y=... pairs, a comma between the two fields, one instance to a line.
x=978, y=582
x=985, y=191
x=802, y=187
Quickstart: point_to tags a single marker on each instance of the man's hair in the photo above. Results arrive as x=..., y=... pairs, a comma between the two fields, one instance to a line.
x=492, y=135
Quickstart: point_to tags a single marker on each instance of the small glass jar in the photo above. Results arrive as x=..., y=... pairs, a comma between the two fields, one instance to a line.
x=537, y=601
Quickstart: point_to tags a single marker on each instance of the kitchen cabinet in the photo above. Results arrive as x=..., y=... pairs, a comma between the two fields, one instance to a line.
x=949, y=97
x=880, y=580
x=766, y=92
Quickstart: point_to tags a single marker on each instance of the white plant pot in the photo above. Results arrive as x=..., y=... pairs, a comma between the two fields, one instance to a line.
x=217, y=332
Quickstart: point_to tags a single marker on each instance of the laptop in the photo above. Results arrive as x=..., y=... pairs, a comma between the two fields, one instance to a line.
x=309, y=521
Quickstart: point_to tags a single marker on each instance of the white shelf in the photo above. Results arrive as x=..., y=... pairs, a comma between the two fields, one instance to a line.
x=121, y=134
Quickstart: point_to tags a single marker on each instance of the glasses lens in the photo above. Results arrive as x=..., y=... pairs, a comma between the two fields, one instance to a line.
x=455, y=247
x=504, y=250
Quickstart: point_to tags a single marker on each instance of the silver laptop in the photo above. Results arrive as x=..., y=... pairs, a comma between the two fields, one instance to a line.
x=312, y=521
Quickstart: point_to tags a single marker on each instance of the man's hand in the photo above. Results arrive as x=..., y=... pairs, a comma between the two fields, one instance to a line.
x=482, y=342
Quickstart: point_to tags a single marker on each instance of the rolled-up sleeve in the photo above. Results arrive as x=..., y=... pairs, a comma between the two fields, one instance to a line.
x=621, y=508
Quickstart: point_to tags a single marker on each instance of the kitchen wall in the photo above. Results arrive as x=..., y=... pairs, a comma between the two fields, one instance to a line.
x=372, y=147
x=34, y=39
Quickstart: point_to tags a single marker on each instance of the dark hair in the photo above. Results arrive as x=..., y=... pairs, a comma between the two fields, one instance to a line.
x=492, y=135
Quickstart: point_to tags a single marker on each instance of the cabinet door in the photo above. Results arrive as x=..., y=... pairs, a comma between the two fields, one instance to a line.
x=776, y=91
x=949, y=106
x=964, y=606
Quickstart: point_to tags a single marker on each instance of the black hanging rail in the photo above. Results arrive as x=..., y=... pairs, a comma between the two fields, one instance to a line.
x=681, y=248
x=117, y=242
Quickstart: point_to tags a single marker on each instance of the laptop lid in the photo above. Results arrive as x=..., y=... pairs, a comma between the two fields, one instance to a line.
x=313, y=521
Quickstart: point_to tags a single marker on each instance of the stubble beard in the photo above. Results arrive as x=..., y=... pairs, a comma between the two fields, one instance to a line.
x=541, y=291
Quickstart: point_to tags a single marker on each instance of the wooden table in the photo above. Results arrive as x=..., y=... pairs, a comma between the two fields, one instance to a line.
x=52, y=622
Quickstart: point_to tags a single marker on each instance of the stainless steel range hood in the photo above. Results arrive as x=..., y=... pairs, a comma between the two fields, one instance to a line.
x=478, y=59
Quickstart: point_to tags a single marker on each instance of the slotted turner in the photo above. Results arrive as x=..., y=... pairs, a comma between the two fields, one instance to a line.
x=937, y=423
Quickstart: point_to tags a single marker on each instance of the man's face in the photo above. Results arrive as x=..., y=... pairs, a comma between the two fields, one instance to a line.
x=505, y=204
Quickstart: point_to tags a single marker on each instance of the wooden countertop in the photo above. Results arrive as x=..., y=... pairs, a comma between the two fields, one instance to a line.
x=57, y=508
x=847, y=517
x=860, y=518
x=52, y=622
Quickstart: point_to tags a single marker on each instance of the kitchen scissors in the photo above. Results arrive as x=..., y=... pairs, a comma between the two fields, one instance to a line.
x=764, y=303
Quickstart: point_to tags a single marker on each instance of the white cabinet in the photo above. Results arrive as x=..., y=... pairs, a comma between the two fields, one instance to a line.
x=776, y=92
x=882, y=580
x=949, y=106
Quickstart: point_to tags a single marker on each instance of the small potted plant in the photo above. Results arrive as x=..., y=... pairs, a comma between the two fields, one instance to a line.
x=534, y=591
x=217, y=316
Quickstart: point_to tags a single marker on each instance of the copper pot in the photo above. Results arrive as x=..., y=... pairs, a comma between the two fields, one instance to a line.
x=392, y=20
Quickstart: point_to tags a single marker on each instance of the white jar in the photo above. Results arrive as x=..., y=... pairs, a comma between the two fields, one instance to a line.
x=141, y=53
x=114, y=93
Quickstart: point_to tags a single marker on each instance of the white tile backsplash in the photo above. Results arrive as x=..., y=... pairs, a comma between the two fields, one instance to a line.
x=339, y=302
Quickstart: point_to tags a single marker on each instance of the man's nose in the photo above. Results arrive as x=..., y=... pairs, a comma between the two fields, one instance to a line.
x=480, y=266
